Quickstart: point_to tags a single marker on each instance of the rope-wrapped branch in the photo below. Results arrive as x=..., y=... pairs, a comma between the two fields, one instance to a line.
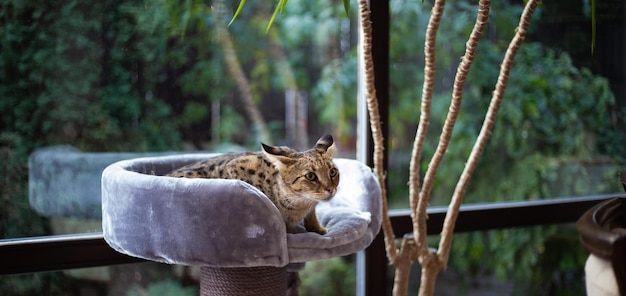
x=418, y=202
x=485, y=132
x=415, y=245
x=375, y=126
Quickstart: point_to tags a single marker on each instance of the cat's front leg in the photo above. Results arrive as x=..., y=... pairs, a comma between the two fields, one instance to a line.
x=313, y=225
x=293, y=229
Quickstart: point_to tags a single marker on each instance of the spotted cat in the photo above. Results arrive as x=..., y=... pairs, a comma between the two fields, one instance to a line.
x=294, y=181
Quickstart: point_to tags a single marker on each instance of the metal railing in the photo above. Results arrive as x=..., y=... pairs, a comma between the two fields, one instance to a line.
x=37, y=254
x=476, y=217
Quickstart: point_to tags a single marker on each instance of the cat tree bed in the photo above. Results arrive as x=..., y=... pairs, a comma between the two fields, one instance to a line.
x=228, y=227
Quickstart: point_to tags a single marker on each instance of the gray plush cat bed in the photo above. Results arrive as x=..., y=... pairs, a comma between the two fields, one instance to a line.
x=228, y=225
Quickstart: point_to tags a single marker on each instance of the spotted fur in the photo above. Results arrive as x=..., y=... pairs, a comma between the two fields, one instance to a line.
x=294, y=181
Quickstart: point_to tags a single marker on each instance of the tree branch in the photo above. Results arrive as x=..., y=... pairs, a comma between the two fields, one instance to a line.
x=236, y=72
x=485, y=132
x=418, y=203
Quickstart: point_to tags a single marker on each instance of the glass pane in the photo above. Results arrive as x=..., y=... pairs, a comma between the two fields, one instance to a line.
x=86, y=84
x=325, y=277
x=127, y=279
x=559, y=133
x=559, y=130
x=547, y=260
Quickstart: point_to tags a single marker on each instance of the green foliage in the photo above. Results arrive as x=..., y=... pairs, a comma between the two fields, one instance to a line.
x=279, y=9
x=131, y=76
x=16, y=217
x=548, y=128
x=47, y=283
x=144, y=75
x=551, y=111
x=69, y=74
x=554, y=137
x=543, y=146
x=163, y=288
x=318, y=36
x=336, y=88
x=563, y=252
x=333, y=276
x=554, y=107
x=73, y=75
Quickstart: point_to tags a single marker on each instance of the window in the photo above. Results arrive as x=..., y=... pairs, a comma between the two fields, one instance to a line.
x=139, y=77
x=154, y=77
x=86, y=84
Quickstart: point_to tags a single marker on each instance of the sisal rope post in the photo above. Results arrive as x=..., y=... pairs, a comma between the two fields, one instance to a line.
x=241, y=281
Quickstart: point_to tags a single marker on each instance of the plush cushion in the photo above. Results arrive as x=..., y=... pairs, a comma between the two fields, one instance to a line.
x=227, y=223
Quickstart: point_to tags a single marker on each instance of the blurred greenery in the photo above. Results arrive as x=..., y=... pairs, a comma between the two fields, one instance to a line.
x=163, y=288
x=329, y=277
x=137, y=76
x=557, y=135
x=148, y=76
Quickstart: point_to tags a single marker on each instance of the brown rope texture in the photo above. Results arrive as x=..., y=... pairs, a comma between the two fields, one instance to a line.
x=222, y=281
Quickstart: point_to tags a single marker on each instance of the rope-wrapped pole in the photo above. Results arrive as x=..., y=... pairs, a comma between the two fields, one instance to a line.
x=503, y=78
x=241, y=281
x=419, y=202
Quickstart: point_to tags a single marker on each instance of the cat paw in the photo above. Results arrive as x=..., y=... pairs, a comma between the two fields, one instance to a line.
x=321, y=230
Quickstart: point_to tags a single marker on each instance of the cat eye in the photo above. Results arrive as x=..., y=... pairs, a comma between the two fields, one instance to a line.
x=311, y=176
x=333, y=172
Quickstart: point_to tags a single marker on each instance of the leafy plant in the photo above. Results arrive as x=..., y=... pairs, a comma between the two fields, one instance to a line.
x=279, y=9
x=163, y=288
x=333, y=276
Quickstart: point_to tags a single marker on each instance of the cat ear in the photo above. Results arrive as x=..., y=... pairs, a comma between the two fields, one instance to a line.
x=278, y=156
x=325, y=145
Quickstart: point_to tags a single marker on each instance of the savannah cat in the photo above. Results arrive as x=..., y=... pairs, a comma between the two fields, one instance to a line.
x=294, y=181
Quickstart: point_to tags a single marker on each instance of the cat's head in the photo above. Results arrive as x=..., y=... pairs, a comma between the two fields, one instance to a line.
x=311, y=173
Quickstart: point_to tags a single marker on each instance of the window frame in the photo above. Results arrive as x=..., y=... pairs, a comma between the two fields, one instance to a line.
x=59, y=252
